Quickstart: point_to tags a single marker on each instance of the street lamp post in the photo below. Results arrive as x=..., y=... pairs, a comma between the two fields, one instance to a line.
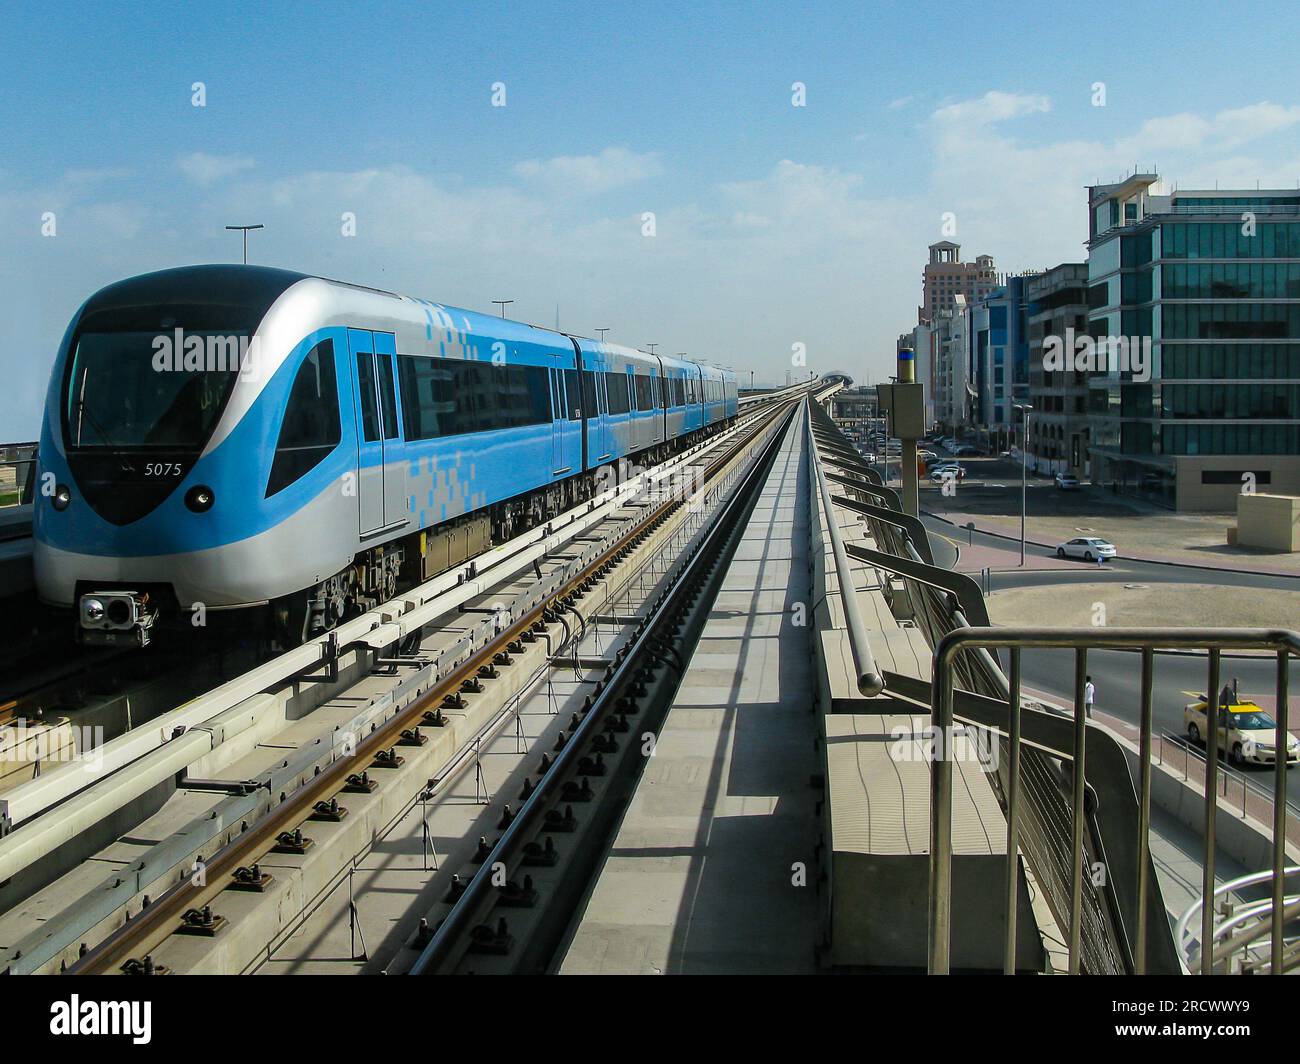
x=503, y=303
x=1025, y=410
x=602, y=333
x=245, y=229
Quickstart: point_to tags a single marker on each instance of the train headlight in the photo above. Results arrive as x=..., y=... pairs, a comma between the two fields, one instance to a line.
x=61, y=497
x=92, y=610
x=200, y=498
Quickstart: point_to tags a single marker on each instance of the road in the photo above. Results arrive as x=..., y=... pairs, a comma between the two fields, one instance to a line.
x=1117, y=674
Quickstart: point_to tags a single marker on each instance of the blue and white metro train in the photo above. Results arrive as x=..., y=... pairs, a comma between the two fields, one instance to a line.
x=235, y=436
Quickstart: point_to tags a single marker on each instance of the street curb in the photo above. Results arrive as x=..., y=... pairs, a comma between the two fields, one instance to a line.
x=1129, y=557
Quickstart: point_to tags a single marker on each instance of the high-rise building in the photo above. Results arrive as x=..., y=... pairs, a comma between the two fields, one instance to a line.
x=946, y=277
x=1201, y=291
x=950, y=358
x=1000, y=355
x=1058, y=427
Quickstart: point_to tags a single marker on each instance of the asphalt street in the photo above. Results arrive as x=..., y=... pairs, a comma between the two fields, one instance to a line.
x=1117, y=674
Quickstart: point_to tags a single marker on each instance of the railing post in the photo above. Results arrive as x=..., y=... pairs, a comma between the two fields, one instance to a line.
x=1144, y=809
x=1281, y=749
x=1013, y=803
x=940, y=929
x=1211, y=809
x=1077, y=823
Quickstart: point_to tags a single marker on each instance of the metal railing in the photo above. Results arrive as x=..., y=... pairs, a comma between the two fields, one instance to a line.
x=17, y=473
x=1233, y=209
x=1036, y=781
x=939, y=601
x=1242, y=926
x=867, y=675
x=1232, y=781
x=1285, y=644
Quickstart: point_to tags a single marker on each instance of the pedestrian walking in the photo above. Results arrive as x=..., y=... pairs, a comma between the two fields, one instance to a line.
x=1089, y=693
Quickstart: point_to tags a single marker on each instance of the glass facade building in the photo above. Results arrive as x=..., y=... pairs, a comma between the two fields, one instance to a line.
x=1211, y=282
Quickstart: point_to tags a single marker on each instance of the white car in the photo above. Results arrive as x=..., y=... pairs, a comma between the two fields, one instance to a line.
x=944, y=470
x=1089, y=548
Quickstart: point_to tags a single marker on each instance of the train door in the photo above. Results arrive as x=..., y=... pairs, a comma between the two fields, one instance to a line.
x=381, y=475
x=559, y=416
x=396, y=510
x=602, y=393
x=660, y=408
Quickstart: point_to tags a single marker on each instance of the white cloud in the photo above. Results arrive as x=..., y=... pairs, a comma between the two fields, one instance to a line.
x=798, y=251
x=1021, y=199
x=1241, y=125
x=204, y=169
x=992, y=107
x=586, y=174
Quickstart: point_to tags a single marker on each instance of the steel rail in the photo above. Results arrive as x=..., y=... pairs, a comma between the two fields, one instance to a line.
x=157, y=922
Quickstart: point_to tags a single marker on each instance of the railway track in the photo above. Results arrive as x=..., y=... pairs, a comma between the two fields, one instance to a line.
x=187, y=904
x=517, y=907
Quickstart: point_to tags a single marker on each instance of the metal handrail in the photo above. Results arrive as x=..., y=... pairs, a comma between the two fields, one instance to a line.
x=23, y=485
x=1228, y=208
x=1256, y=909
x=869, y=679
x=1248, y=785
x=1286, y=644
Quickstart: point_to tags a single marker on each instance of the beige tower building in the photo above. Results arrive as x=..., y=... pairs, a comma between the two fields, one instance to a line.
x=946, y=277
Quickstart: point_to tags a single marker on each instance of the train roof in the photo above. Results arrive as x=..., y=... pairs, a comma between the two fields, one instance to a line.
x=255, y=289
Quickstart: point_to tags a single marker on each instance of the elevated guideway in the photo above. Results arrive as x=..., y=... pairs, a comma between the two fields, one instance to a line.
x=720, y=838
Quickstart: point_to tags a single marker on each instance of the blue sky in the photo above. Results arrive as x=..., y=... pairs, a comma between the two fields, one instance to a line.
x=774, y=225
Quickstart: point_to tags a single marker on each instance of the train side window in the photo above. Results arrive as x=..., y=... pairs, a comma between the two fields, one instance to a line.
x=387, y=395
x=366, y=390
x=310, y=430
x=539, y=390
x=589, y=393
x=615, y=384
x=575, y=394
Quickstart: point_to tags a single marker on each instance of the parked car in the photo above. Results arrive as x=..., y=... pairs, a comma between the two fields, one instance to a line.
x=1067, y=482
x=1089, y=548
x=965, y=450
x=928, y=456
x=1246, y=732
x=944, y=470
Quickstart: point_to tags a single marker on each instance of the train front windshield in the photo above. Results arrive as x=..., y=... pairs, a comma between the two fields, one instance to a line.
x=133, y=391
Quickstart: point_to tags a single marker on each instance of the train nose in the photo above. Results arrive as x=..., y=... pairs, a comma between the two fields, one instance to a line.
x=122, y=487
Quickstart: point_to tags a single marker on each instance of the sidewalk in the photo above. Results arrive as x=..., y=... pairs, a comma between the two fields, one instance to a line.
x=973, y=559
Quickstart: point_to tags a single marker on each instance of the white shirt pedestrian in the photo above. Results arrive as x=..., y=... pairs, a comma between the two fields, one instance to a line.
x=1089, y=692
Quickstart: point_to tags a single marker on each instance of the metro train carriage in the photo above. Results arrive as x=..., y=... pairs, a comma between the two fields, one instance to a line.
x=226, y=437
